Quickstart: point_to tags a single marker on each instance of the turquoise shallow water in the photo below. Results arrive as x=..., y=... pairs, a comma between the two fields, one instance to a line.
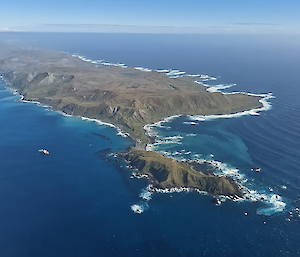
x=73, y=203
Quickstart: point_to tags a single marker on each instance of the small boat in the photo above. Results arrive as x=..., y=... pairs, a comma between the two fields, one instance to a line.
x=44, y=151
x=256, y=169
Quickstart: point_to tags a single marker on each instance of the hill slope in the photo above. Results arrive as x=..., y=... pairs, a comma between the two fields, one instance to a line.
x=168, y=173
x=126, y=97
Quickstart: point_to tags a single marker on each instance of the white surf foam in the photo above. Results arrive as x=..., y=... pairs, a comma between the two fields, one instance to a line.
x=193, y=75
x=266, y=106
x=275, y=204
x=120, y=131
x=190, y=123
x=203, y=78
x=139, y=208
x=173, y=74
x=200, y=83
x=64, y=114
x=147, y=193
x=98, y=122
x=162, y=71
x=99, y=62
x=169, y=140
x=218, y=88
x=143, y=69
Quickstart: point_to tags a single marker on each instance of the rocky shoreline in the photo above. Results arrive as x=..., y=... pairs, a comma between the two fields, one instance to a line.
x=108, y=95
x=168, y=174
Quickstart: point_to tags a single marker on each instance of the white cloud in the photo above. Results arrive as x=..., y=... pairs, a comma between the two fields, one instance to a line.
x=6, y=29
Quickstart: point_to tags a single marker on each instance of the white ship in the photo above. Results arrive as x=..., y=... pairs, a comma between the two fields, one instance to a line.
x=44, y=151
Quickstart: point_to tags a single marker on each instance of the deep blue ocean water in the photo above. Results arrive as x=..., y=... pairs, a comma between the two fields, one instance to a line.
x=73, y=203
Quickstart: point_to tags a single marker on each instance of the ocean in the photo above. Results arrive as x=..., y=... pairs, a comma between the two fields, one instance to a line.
x=78, y=200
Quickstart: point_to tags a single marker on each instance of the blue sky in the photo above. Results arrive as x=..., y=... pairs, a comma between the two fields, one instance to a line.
x=158, y=16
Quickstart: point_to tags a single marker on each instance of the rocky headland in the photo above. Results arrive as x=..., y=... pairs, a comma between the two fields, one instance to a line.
x=166, y=173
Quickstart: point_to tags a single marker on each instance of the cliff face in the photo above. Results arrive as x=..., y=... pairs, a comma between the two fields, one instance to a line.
x=125, y=97
x=167, y=173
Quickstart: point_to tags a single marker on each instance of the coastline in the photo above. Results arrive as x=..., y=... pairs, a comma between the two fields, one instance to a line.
x=78, y=87
x=152, y=140
x=147, y=128
x=239, y=179
x=254, y=112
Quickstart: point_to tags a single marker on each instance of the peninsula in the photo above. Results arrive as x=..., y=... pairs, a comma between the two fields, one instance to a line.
x=166, y=173
x=126, y=97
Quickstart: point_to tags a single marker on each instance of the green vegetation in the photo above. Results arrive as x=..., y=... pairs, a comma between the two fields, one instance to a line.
x=167, y=173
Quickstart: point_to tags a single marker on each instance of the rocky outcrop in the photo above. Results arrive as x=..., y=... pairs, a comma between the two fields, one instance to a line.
x=168, y=173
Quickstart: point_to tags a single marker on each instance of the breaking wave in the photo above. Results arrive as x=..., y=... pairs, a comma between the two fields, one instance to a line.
x=139, y=207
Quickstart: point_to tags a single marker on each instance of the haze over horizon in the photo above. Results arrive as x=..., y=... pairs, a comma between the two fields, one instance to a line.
x=116, y=16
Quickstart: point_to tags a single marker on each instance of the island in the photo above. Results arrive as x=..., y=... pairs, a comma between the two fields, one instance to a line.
x=128, y=98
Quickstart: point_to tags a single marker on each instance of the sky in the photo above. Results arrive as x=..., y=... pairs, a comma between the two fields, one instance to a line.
x=152, y=16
